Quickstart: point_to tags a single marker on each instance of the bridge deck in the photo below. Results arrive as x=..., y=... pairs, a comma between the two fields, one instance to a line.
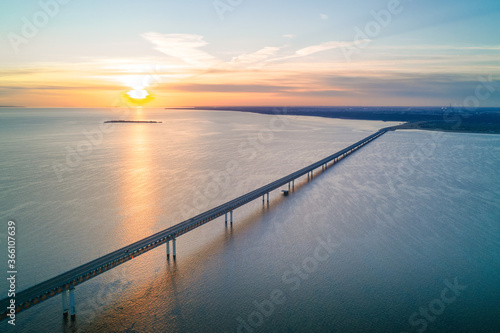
x=47, y=289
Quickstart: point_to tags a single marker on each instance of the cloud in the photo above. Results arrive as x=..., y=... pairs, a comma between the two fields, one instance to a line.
x=317, y=48
x=310, y=50
x=427, y=47
x=257, y=56
x=445, y=86
x=67, y=86
x=323, y=16
x=227, y=88
x=289, y=36
x=182, y=46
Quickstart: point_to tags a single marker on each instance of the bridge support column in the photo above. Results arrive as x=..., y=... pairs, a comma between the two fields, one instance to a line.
x=231, y=213
x=226, y=214
x=288, y=186
x=293, y=184
x=173, y=248
x=72, y=309
x=168, y=249
x=268, y=198
x=65, y=303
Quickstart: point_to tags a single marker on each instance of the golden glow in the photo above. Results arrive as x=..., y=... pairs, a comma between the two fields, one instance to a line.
x=138, y=93
x=129, y=83
x=139, y=192
x=138, y=97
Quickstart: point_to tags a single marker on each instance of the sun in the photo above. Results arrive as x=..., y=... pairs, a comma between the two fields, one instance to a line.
x=138, y=93
x=139, y=85
x=138, y=96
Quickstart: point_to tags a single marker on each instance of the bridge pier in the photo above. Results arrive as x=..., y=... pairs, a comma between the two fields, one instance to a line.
x=65, y=304
x=289, y=186
x=293, y=184
x=72, y=309
x=173, y=248
x=168, y=249
x=60, y=284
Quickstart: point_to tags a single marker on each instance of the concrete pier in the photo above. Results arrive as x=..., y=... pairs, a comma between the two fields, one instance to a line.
x=72, y=308
x=65, y=303
x=40, y=292
x=173, y=248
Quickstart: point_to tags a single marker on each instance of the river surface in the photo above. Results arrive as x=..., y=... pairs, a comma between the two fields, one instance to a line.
x=401, y=236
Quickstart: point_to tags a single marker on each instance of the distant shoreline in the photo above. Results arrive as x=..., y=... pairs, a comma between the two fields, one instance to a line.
x=481, y=120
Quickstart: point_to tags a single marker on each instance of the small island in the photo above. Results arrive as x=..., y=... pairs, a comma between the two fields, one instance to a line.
x=134, y=121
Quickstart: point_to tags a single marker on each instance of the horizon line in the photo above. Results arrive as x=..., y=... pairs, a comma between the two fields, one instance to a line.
x=244, y=106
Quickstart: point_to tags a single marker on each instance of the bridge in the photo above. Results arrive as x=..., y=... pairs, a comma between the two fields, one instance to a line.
x=65, y=283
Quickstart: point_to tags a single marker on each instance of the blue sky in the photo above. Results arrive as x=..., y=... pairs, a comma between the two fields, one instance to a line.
x=284, y=52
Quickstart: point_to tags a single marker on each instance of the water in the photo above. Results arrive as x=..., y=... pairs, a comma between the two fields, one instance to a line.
x=402, y=215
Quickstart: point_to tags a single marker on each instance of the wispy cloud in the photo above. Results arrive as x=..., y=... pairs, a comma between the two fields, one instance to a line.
x=289, y=36
x=257, y=56
x=323, y=16
x=444, y=47
x=313, y=49
x=228, y=88
x=289, y=74
x=317, y=48
x=185, y=47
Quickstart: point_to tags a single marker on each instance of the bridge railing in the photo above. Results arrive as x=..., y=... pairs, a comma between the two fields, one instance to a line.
x=68, y=280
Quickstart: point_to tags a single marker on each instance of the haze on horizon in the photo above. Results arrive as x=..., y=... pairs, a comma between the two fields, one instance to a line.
x=59, y=53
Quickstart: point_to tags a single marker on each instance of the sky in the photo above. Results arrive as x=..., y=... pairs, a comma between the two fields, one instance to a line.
x=75, y=53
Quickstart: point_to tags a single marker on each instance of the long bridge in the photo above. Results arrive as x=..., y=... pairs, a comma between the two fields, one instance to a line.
x=65, y=283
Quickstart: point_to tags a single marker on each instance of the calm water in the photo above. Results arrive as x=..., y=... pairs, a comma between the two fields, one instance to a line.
x=406, y=217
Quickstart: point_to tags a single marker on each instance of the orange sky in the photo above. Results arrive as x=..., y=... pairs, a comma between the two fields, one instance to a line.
x=314, y=54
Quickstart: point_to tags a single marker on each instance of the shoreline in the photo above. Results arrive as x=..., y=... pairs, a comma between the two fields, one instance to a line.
x=479, y=121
